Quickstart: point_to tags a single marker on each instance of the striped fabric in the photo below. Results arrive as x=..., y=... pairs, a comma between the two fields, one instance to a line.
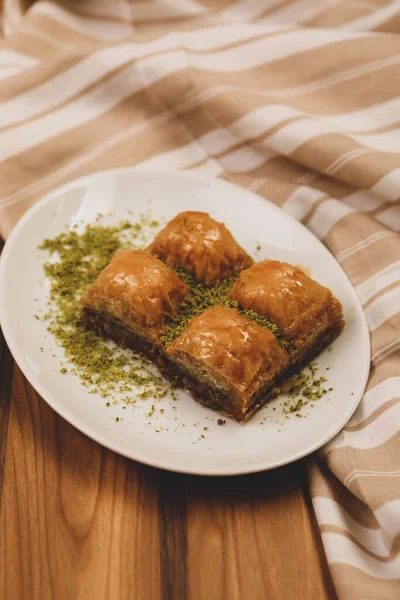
x=297, y=100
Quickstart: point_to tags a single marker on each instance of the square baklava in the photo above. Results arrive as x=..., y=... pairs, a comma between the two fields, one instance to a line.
x=201, y=246
x=133, y=297
x=228, y=330
x=307, y=314
x=228, y=362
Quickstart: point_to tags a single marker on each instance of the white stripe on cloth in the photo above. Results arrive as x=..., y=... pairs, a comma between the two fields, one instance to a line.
x=298, y=12
x=77, y=112
x=389, y=185
x=89, y=106
x=133, y=78
x=253, y=54
x=308, y=88
x=97, y=28
x=379, y=115
x=118, y=9
x=357, y=473
x=253, y=125
x=386, y=351
x=374, y=398
x=301, y=201
x=245, y=10
x=136, y=77
x=326, y=216
x=90, y=69
x=371, y=239
x=339, y=162
x=329, y=512
x=364, y=200
x=245, y=159
x=376, y=433
x=379, y=281
x=388, y=518
x=384, y=307
x=6, y=72
x=339, y=549
x=374, y=19
x=216, y=141
x=58, y=175
x=213, y=143
x=210, y=168
x=335, y=78
x=370, y=118
x=12, y=58
x=126, y=11
x=292, y=136
x=165, y=9
x=390, y=217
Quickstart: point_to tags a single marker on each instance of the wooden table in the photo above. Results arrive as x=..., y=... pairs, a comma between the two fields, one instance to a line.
x=80, y=522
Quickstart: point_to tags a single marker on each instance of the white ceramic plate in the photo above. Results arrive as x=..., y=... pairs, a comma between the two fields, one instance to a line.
x=173, y=439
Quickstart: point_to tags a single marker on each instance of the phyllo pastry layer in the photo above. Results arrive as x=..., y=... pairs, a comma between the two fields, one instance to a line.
x=137, y=291
x=305, y=312
x=200, y=245
x=233, y=360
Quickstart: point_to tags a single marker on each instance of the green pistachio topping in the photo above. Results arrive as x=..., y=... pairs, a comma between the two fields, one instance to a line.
x=202, y=298
x=303, y=388
x=76, y=261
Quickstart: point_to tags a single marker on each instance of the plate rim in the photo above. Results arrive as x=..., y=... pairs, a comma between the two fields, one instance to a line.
x=50, y=398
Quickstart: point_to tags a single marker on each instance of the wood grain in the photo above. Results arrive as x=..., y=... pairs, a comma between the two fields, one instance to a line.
x=173, y=537
x=326, y=577
x=253, y=537
x=79, y=522
x=6, y=370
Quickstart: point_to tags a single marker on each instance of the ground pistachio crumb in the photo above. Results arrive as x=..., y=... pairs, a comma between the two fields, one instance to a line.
x=151, y=411
x=76, y=259
x=303, y=388
x=201, y=298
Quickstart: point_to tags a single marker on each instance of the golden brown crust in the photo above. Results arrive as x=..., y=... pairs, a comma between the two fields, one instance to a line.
x=223, y=349
x=300, y=306
x=137, y=290
x=200, y=245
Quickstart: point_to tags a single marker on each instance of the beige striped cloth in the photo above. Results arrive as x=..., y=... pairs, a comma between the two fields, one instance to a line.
x=297, y=100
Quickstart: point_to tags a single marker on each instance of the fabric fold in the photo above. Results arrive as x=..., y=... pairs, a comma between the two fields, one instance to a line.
x=295, y=100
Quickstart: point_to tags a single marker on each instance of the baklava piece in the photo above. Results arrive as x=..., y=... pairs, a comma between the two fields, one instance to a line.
x=132, y=297
x=307, y=314
x=200, y=245
x=228, y=362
